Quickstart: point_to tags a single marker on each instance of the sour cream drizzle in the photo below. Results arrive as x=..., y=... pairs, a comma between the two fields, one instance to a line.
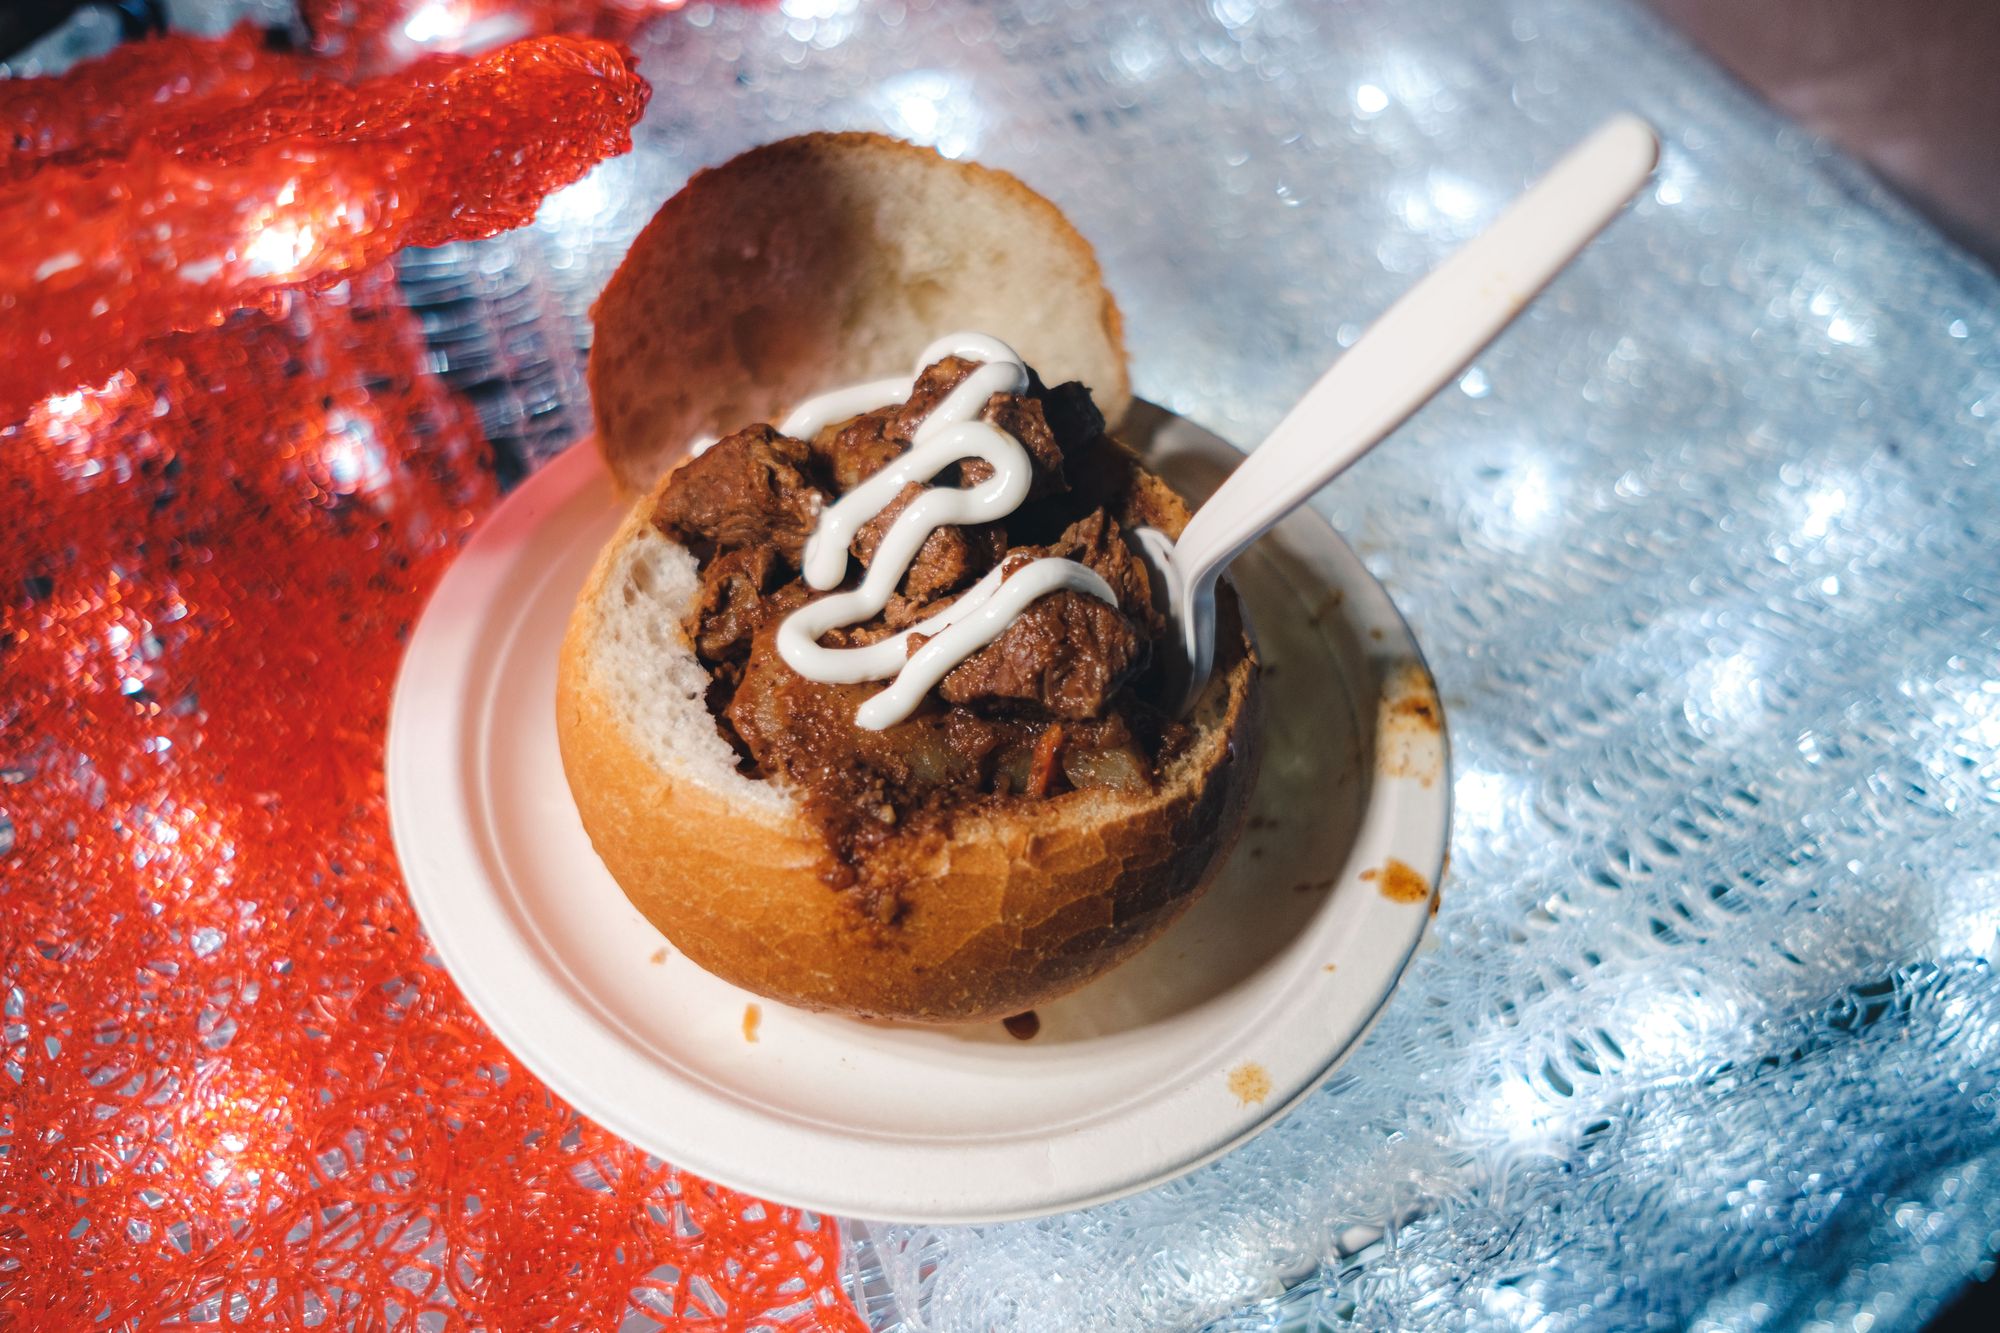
x=952, y=433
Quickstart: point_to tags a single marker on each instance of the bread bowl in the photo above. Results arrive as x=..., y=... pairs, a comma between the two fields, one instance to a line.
x=1034, y=821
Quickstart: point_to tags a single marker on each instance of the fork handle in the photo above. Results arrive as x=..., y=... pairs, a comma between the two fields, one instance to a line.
x=1419, y=343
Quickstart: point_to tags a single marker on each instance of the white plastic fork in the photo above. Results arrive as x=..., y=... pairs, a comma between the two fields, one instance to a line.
x=1406, y=356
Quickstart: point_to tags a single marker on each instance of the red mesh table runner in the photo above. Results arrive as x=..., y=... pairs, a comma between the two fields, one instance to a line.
x=236, y=1085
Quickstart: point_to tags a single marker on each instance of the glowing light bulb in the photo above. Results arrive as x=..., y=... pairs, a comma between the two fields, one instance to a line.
x=281, y=249
x=440, y=19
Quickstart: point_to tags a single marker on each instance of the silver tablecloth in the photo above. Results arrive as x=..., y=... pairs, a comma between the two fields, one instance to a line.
x=1710, y=1034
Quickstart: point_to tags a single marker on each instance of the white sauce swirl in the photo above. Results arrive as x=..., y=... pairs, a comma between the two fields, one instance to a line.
x=952, y=433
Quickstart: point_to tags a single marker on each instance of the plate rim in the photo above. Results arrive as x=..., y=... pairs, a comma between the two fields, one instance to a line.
x=429, y=751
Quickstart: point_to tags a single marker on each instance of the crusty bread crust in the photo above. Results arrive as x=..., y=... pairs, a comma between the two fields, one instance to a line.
x=1020, y=906
x=829, y=259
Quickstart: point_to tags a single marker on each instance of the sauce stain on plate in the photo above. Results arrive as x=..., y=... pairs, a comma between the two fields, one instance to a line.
x=752, y=1016
x=1407, y=724
x=1398, y=883
x=1250, y=1083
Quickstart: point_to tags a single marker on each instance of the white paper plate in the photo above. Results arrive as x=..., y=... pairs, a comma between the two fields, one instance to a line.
x=1206, y=1038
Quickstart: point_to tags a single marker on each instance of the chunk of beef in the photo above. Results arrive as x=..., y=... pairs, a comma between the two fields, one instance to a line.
x=747, y=490
x=949, y=558
x=1066, y=654
x=1022, y=418
x=933, y=386
x=1072, y=417
x=1096, y=540
x=731, y=604
x=1069, y=652
x=850, y=452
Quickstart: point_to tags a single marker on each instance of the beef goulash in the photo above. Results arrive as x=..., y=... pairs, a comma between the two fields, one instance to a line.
x=1061, y=700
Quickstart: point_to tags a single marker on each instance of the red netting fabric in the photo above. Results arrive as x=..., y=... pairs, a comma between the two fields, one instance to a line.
x=234, y=1086
x=170, y=220
x=100, y=110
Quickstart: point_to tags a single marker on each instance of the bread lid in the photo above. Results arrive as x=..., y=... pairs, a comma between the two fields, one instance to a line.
x=824, y=260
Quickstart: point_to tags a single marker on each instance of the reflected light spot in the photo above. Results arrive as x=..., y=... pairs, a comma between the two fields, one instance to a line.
x=919, y=113
x=438, y=19
x=61, y=263
x=1725, y=688
x=280, y=250
x=1515, y=1307
x=1513, y=1112
x=1417, y=212
x=1528, y=497
x=1664, y=1030
x=353, y=457
x=1483, y=798
x=932, y=108
x=76, y=423
x=1833, y=305
x=1233, y=14
x=1370, y=101
x=1982, y=719
x=1408, y=78
x=1822, y=507
x=1453, y=197
x=451, y=25
x=578, y=204
x=1138, y=55
x=1672, y=179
